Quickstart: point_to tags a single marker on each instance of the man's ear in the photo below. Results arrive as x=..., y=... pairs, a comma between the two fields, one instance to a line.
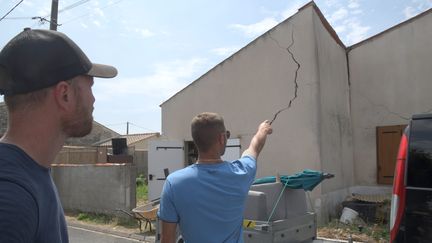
x=221, y=138
x=63, y=95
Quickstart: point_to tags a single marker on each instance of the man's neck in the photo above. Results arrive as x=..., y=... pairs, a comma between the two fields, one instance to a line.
x=208, y=161
x=210, y=157
x=39, y=140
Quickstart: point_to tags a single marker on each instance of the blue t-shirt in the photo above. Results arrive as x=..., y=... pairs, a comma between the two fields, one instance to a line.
x=30, y=209
x=207, y=200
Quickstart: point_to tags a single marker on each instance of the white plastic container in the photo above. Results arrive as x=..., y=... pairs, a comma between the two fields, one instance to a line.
x=348, y=215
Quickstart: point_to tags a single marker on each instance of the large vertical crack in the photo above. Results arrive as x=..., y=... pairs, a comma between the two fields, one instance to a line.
x=296, y=86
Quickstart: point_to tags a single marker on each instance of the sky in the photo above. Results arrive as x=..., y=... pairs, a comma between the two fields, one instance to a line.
x=159, y=47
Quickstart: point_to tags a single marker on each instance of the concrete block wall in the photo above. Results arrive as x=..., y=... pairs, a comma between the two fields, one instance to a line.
x=99, y=188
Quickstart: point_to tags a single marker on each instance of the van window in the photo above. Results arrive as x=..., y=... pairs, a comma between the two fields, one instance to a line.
x=419, y=172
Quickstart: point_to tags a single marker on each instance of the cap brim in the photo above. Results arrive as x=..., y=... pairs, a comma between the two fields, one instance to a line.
x=102, y=71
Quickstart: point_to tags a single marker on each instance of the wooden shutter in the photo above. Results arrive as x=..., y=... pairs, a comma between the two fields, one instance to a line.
x=388, y=139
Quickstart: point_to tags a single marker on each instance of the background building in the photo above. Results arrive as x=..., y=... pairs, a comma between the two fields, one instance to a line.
x=345, y=101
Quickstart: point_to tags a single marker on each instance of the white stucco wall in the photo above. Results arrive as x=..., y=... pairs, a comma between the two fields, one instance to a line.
x=390, y=80
x=335, y=137
x=250, y=86
x=335, y=122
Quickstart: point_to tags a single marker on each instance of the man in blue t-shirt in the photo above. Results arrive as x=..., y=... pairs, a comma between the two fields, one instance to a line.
x=207, y=199
x=46, y=81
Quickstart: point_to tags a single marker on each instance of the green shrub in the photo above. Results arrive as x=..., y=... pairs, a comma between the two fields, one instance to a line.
x=141, y=193
x=141, y=180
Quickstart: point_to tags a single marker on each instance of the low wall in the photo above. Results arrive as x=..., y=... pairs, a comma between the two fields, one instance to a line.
x=81, y=155
x=94, y=155
x=329, y=205
x=99, y=188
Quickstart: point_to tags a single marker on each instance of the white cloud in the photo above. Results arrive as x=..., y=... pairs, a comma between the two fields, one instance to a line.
x=225, y=51
x=331, y=3
x=338, y=15
x=291, y=10
x=98, y=12
x=132, y=30
x=357, y=11
x=416, y=7
x=256, y=29
x=97, y=23
x=167, y=79
x=44, y=11
x=347, y=24
x=353, y=4
x=165, y=33
x=422, y=4
x=409, y=12
x=340, y=29
x=27, y=4
x=84, y=25
x=95, y=3
x=267, y=12
x=145, y=33
x=356, y=31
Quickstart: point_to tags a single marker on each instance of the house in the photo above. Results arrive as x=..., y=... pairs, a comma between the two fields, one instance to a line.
x=349, y=104
x=99, y=132
x=137, y=141
x=137, y=145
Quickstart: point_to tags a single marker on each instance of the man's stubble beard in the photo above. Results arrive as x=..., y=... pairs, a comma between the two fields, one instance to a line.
x=80, y=124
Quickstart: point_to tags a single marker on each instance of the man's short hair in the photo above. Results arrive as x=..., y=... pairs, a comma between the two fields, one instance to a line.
x=205, y=128
x=26, y=101
x=32, y=99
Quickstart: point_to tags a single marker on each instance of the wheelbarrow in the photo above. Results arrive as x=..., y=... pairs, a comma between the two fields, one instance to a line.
x=145, y=213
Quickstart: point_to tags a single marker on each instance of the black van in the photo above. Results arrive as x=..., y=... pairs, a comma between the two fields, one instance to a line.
x=411, y=208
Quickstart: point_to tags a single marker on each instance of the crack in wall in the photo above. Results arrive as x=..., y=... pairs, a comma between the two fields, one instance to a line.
x=385, y=108
x=296, y=86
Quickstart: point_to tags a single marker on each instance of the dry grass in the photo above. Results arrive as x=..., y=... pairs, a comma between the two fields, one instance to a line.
x=357, y=232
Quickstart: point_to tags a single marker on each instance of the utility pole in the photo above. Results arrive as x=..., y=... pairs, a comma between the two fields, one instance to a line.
x=127, y=128
x=54, y=14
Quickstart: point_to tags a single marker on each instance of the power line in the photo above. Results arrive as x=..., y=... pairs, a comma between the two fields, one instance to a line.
x=116, y=124
x=130, y=123
x=18, y=18
x=73, y=5
x=11, y=10
x=88, y=13
x=142, y=127
x=44, y=19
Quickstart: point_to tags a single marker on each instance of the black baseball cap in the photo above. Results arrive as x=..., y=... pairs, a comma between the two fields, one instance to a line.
x=37, y=59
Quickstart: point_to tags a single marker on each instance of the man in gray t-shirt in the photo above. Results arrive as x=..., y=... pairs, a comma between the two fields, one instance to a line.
x=46, y=80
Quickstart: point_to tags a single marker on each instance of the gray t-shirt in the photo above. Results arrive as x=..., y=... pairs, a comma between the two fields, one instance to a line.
x=30, y=209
